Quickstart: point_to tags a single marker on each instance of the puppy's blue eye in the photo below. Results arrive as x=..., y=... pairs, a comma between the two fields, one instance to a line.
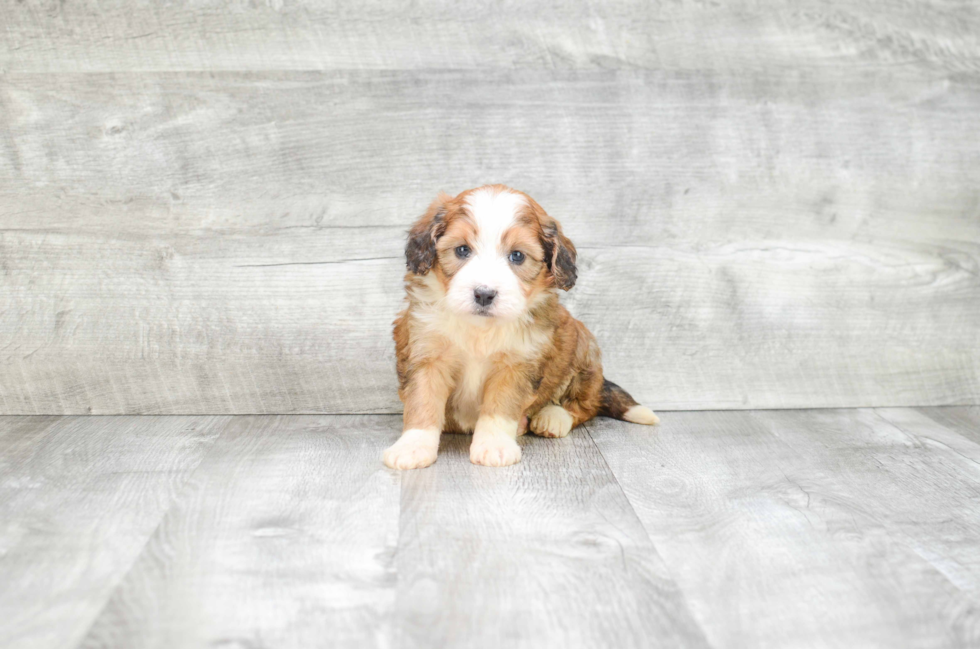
x=516, y=257
x=462, y=252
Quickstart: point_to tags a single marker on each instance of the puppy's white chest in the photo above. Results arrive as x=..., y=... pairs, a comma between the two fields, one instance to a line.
x=478, y=341
x=475, y=345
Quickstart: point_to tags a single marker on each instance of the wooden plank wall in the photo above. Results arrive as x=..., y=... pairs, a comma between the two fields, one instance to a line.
x=203, y=203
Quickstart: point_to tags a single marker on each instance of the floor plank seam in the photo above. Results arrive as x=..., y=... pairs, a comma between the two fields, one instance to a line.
x=179, y=492
x=940, y=424
x=906, y=540
x=673, y=577
x=923, y=410
x=396, y=641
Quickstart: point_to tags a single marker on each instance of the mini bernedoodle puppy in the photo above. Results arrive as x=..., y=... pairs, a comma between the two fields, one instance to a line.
x=483, y=344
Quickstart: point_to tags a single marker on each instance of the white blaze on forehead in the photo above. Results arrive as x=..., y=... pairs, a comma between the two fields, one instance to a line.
x=494, y=212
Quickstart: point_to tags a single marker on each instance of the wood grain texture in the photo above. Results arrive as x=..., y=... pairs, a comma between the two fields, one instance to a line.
x=939, y=523
x=99, y=36
x=810, y=528
x=79, y=497
x=965, y=420
x=231, y=242
x=547, y=553
x=284, y=536
x=724, y=529
x=920, y=491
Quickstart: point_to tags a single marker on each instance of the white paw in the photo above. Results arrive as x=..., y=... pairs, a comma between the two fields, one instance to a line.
x=498, y=450
x=552, y=421
x=415, y=449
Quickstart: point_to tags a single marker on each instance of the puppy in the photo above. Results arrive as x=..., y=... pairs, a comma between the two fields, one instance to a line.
x=483, y=345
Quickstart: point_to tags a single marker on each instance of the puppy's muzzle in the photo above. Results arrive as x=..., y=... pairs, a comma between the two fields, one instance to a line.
x=484, y=295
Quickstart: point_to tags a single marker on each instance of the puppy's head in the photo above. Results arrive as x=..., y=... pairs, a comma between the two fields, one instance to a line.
x=494, y=250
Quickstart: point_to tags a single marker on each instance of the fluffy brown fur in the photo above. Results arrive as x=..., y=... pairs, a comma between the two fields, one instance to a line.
x=493, y=376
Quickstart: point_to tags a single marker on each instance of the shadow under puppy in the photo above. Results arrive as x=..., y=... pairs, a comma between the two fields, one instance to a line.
x=483, y=345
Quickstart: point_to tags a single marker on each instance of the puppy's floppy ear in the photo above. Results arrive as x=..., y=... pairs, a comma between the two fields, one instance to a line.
x=559, y=253
x=420, y=252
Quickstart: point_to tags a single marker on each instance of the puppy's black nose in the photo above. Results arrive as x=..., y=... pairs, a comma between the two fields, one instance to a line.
x=484, y=296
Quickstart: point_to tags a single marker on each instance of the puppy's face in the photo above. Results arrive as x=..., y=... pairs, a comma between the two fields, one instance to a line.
x=494, y=251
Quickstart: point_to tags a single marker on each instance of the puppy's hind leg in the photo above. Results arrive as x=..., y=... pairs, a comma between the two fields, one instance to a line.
x=552, y=421
x=579, y=406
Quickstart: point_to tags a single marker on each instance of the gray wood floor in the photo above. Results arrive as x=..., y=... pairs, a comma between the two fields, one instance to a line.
x=852, y=528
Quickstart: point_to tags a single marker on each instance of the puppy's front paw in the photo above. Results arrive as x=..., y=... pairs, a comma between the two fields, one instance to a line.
x=552, y=421
x=495, y=451
x=415, y=449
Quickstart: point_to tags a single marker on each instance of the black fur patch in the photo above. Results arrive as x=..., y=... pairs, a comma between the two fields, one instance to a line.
x=536, y=382
x=614, y=401
x=420, y=251
x=560, y=256
x=568, y=274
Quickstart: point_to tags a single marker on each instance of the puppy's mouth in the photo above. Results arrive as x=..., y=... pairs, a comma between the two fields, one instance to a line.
x=484, y=311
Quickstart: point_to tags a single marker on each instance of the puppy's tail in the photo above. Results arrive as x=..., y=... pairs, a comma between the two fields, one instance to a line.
x=617, y=403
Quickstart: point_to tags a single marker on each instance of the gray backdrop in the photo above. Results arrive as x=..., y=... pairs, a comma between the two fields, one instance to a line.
x=203, y=204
